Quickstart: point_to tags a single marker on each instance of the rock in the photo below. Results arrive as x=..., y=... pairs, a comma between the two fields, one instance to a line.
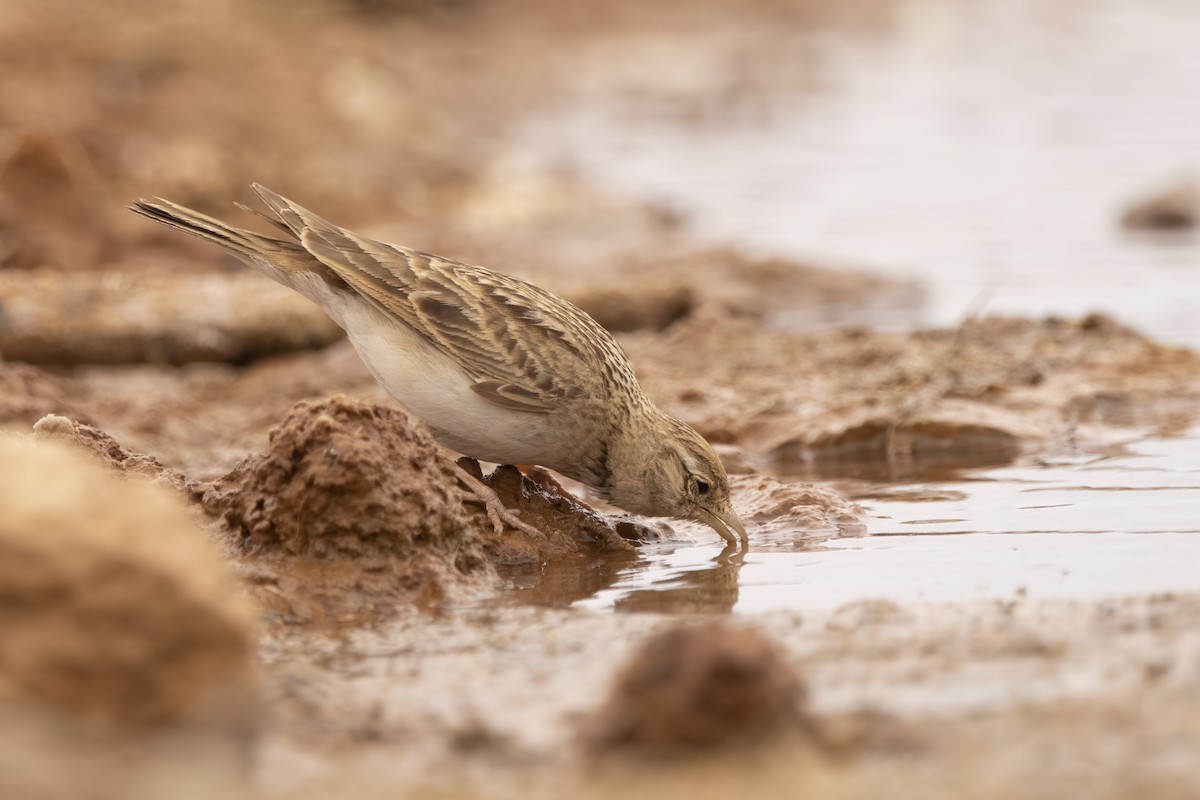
x=114, y=605
x=52, y=317
x=693, y=688
x=647, y=306
x=125, y=635
x=1173, y=207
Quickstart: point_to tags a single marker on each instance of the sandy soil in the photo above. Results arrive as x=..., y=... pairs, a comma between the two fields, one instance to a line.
x=264, y=580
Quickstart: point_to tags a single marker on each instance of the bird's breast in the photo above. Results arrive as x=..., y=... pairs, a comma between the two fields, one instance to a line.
x=435, y=389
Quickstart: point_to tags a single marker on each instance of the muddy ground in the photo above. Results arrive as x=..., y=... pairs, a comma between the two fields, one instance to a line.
x=229, y=564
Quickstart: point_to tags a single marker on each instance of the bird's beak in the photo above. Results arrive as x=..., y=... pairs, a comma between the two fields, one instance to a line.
x=726, y=523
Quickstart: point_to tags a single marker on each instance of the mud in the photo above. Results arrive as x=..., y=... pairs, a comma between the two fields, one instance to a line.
x=403, y=645
x=107, y=451
x=569, y=527
x=903, y=402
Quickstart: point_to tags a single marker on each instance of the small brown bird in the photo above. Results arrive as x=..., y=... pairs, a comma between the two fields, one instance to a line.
x=499, y=369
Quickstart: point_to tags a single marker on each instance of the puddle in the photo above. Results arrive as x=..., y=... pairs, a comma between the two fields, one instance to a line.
x=986, y=148
x=1124, y=522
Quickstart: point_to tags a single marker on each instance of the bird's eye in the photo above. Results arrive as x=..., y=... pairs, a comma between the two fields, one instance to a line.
x=702, y=487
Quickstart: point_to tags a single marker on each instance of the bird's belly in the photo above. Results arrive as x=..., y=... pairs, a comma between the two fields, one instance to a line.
x=437, y=391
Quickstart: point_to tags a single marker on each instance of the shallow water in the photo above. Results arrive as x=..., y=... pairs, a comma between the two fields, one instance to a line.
x=986, y=148
x=1122, y=522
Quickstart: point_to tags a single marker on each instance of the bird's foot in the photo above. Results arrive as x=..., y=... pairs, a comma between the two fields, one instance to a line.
x=541, y=478
x=498, y=513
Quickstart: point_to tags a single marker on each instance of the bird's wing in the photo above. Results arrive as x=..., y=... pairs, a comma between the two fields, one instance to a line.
x=524, y=348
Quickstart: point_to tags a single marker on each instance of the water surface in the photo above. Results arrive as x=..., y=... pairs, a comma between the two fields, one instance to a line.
x=1126, y=522
x=985, y=147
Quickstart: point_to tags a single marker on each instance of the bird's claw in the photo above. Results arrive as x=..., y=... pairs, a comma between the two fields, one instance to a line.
x=498, y=513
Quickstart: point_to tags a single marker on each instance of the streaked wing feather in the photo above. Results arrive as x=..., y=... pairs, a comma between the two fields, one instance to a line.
x=523, y=359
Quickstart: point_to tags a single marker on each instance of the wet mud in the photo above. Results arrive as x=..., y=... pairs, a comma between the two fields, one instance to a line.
x=227, y=557
x=977, y=394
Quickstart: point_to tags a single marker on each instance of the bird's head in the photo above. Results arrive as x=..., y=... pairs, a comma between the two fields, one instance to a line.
x=680, y=476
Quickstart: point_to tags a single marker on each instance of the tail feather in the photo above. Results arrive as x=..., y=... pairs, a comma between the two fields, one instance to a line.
x=242, y=242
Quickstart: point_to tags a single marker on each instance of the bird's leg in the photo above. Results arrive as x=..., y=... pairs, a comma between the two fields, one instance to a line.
x=498, y=513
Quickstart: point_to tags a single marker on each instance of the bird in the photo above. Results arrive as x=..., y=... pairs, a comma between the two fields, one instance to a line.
x=497, y=368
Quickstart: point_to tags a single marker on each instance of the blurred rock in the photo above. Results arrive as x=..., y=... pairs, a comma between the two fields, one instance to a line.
x=646, y=307
x=51, y=317
x=693, y=688
x=1174, y=207
x=926, y=443
x=123, y=631
x=723, y=283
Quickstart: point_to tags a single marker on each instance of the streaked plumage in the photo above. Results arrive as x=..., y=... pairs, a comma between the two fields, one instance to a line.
x=499, y=369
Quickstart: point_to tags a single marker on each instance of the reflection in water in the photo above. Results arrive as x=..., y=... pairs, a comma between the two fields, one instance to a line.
x=711, y=589
x=562, y=583
x=1120, y=521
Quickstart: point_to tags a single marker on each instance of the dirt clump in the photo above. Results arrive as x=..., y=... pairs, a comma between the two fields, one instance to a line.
x=343, y=477
x=108, y=451
x=115, y=607
x=697, y=687
x=357, y=484
x=1171, y=208
x=652, y=307
x=354, y=506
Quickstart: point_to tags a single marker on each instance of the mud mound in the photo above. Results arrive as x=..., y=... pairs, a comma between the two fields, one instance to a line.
x=114, y=607
x=646, y=306
x=699, y=687
x=343, y=477
x=352, y=505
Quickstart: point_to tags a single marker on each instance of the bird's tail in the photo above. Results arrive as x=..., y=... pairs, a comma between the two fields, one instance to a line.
x=246, y=244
